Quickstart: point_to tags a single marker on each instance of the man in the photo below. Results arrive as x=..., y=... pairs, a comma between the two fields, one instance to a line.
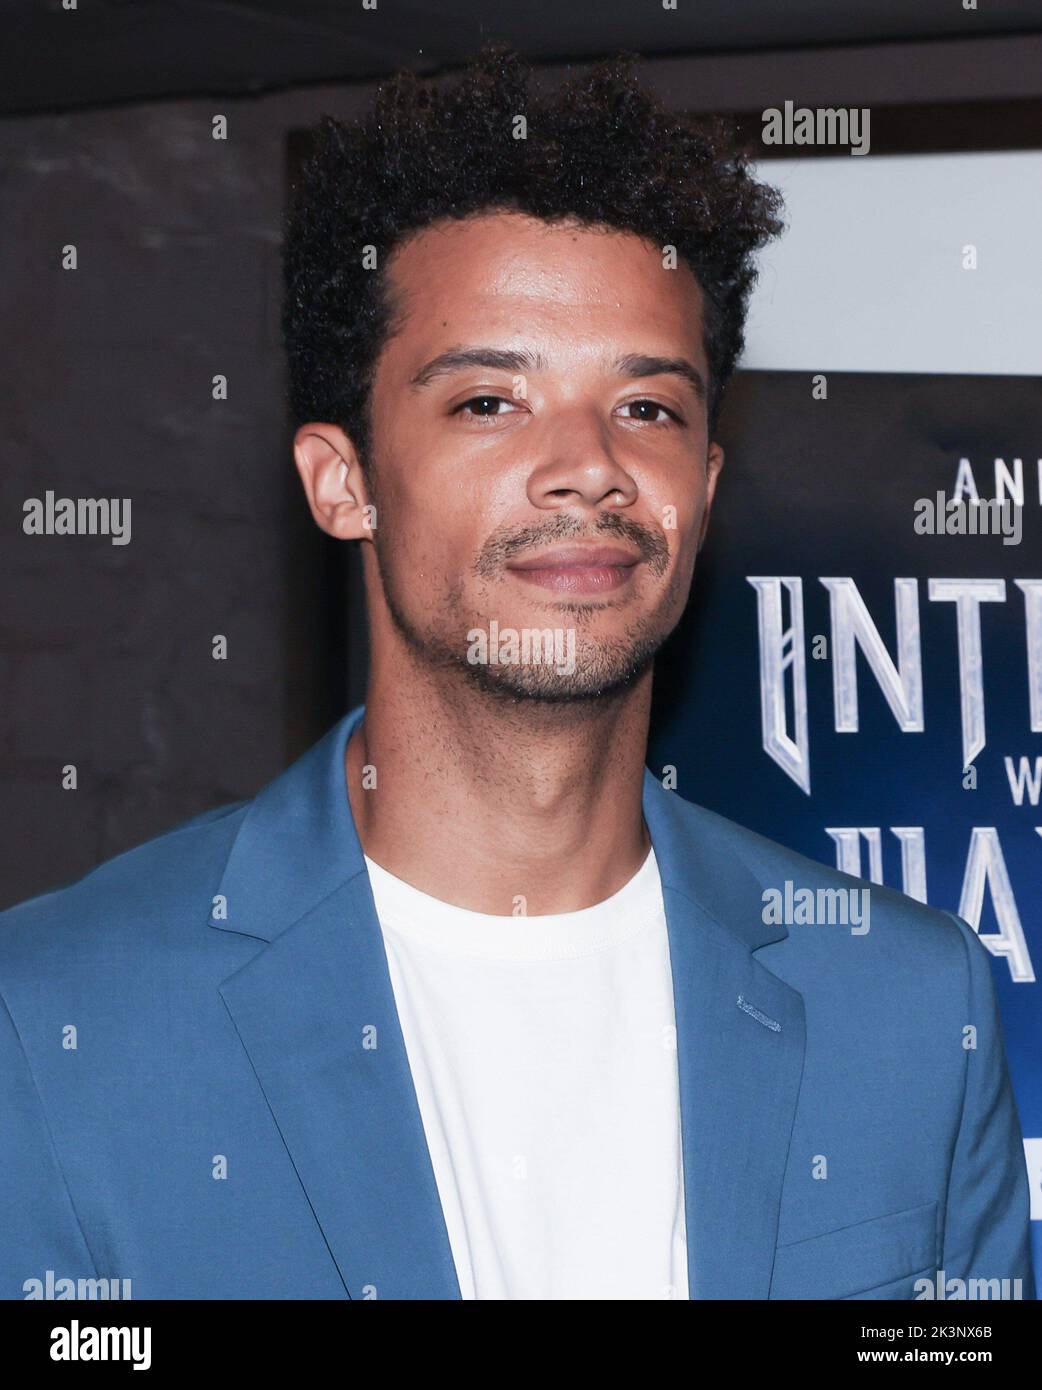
x=467, y=1003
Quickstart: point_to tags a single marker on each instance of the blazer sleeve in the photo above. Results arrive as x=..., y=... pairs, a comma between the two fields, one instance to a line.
x=39, y=1229
x=987, y=1232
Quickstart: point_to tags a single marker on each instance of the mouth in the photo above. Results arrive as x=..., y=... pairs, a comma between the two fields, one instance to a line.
x=578, y=569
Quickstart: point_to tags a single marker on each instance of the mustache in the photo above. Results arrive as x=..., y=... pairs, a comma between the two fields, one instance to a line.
x=505, y=545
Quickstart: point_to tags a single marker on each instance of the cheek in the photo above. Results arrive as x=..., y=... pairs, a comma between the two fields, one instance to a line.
x=677, y=509
x=426, y=536
x=436, y=517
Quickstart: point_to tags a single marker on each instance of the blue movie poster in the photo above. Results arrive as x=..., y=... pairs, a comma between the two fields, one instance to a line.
x=859, y=673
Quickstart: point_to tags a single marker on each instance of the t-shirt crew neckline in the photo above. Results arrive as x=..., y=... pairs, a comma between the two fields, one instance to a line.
x=441, y=926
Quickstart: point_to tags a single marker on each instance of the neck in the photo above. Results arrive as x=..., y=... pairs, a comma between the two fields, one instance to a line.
x=482, y=801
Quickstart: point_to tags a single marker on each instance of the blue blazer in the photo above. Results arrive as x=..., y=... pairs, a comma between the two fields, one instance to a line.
x=204, y=1087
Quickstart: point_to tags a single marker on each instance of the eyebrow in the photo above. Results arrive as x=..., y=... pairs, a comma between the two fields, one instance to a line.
x=497, y=359
x=633, y=365
x=638, y=364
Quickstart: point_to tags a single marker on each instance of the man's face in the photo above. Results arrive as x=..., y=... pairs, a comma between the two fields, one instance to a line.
x=540, y=455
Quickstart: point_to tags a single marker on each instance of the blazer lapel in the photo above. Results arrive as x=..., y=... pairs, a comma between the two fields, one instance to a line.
x=740, y=1045
x=315, y=1012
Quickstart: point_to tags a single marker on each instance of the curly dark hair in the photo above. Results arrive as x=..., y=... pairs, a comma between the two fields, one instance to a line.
x=601, y=151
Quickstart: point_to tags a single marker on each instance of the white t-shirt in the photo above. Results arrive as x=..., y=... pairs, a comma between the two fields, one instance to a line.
x=543, y=1052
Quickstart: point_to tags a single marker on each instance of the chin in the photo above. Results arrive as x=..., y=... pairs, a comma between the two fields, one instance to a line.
x=559, y=693
x=596, y=672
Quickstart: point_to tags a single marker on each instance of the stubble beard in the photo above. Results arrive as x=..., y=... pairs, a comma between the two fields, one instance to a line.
x=604, y=667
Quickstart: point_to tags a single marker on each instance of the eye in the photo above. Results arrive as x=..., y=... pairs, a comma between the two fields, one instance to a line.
x=650, y=412
x=483, y=407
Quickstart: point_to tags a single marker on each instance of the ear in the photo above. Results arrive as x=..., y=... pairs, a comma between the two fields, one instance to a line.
x=714, y=463
x=333, y=483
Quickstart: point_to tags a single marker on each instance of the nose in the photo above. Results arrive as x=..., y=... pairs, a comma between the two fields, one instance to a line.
x=578, y=466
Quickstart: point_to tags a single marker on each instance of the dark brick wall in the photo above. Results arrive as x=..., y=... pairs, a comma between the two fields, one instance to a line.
x=105, y=650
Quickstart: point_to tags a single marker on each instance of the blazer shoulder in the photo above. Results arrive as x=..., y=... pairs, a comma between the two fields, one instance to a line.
x=160, y=878
x=771, y=864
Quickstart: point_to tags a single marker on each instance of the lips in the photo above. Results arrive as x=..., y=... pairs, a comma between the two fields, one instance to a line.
x=578, y=569
x=577, y=557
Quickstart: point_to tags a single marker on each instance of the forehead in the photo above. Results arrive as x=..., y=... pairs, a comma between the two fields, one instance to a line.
x=511, y=275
